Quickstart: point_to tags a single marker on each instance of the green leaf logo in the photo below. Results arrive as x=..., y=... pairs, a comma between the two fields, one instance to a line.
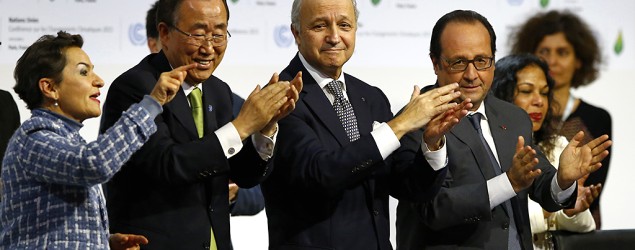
x=234, y=1
x=544, y=3
x=375, y=2
x=619, y=44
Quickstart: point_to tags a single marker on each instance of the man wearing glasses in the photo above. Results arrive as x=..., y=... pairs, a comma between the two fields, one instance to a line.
x=492, y=168
x=174, y=190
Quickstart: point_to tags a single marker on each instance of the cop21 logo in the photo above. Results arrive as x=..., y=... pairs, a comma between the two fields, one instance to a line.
x=282, y=36
x=136, y=34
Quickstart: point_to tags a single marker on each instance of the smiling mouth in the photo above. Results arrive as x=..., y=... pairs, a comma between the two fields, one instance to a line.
x=203, y=63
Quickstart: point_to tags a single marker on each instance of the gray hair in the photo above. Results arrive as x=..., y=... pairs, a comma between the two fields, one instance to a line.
x=295, y=13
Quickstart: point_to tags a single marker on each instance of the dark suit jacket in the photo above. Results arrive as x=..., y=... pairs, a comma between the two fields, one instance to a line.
x=176, y=186
x=459, y=217
x=327, y=192
x=10, y=120
x=249, y=201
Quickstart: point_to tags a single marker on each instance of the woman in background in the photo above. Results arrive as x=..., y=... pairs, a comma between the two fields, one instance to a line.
x=51, y=176
x=568, y=46
x=524, y=81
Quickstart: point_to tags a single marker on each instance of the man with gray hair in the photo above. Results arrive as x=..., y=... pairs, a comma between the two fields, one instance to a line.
x=335, y=164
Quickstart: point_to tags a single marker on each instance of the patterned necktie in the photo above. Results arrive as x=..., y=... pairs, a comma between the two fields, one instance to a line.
x=513, y=240
x=344, y=110
x=196, y=101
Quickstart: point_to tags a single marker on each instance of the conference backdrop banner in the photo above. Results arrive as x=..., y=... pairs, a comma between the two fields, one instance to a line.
x=391, y=52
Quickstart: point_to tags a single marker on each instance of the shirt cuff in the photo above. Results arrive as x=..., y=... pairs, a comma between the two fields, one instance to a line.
x=229, y=139
x=385, y=139
x=559, y=195
x=499, y=189
x=152, y=106
x=265, y=144
x=437, y=159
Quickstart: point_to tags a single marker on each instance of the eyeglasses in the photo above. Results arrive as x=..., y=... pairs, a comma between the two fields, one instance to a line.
x=200, y=39
x=460, y=65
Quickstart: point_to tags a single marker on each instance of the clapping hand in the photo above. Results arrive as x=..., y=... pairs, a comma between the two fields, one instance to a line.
x=579, y=160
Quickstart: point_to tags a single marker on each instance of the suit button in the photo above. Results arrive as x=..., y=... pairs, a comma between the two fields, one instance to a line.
x=231, y=151
x=505, y=226
x=375, y=212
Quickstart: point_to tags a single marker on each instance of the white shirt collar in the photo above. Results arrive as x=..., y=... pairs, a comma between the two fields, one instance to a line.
x=188, y=87
x=320, y=78
x=481, y=109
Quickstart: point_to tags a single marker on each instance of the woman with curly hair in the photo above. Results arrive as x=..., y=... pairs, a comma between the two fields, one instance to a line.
x=568, y=46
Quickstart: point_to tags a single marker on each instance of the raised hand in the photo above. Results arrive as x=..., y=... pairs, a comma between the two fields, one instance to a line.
x=442, y=123
x=424, y=107
x=286, y=109
x=126, y=241
x=260, y=107
x=522, y=173
x=579, y=160
x=169, y=82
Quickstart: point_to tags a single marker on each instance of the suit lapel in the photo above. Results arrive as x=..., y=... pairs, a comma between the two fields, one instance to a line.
x=210, y=106
x=358, y=101
x=496, y=123
x=465, y=132
x=179, y=105
x=181, y=110
x=316, y=101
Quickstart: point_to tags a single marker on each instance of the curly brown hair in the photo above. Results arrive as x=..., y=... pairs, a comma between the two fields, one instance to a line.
x=577, y=33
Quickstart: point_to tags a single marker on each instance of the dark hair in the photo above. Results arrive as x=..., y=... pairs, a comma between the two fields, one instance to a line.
x=151, y=21
x=168, y=9
x=577, y=33
x=43, y=59
x=461, y=16
x=505, y=84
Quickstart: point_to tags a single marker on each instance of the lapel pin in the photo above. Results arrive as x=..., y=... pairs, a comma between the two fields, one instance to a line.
x=363, y=99
x=210, y=108
x=504, y=127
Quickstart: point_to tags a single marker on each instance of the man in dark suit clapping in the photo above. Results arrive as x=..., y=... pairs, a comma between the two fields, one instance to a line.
x=334, y=170
x=174, y=190
x=492, y=168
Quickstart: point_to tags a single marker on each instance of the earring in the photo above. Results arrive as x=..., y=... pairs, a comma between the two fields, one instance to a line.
x=56, y=105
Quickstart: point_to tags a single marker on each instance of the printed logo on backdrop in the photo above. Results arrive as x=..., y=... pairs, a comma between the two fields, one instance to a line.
x=619, y=44
x=234, y=1
x=515, y=2
x=282, y=36
x=375, y=2
x=136, y=34
x=544, y=3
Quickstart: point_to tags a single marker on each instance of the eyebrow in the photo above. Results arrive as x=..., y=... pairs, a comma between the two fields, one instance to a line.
x=204, y=26
x=86, y=64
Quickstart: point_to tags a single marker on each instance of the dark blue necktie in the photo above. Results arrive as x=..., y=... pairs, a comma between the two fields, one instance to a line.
x=514, y=238
x=344, y=110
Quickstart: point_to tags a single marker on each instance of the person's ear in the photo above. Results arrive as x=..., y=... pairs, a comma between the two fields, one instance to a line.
x=164, y=31
x=296, y=35
x=435, y=64
x=48, y=88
